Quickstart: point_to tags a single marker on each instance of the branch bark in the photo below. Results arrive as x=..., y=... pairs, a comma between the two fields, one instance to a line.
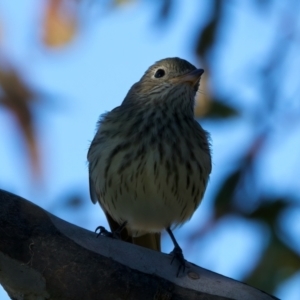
x=44, y=257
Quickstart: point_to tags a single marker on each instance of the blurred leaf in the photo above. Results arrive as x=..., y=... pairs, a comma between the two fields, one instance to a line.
x=211, y=108
x=60, y=23
x=74, y=201
x=262, y=4
x=276, y=265
x=223, y=200
x=256, y=147
x=202, y=98
x=1, y=32
x=219, y=110
x=16, y=96
x=165, y=10
x=207, y=36
x=121, y=2
x=269, y=211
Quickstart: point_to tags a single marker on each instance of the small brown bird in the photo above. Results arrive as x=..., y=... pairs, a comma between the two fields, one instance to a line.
x=150, y=161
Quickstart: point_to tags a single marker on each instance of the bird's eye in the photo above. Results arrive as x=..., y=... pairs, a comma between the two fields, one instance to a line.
x=159, y=73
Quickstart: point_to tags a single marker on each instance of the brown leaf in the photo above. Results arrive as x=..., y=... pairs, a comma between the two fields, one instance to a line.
x=17, y=98
x=207, y=107
x=60, y=25
x=202, y=99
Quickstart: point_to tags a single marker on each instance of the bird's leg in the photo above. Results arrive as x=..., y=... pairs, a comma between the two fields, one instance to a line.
x=177, y=252
x=115, y=234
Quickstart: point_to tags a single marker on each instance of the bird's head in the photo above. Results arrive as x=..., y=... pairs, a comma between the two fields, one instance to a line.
x=172, y=81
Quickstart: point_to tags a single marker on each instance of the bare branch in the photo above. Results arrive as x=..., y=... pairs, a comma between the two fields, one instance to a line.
x=44, y=257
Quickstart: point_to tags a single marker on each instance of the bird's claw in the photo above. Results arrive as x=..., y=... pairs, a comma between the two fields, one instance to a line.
x=104, y=232
x=177, y=255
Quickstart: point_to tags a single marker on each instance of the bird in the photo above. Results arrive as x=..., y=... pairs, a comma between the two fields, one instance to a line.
x=150, y=160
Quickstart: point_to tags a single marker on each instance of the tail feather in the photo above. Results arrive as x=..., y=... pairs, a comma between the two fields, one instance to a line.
x=149, y=240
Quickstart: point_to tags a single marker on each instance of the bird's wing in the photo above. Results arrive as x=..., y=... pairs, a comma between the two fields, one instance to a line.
x=150, y=240
x=93, y=194
x=92, y=162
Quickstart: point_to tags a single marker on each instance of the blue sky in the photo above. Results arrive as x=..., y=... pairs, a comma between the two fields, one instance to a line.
x=93, y=74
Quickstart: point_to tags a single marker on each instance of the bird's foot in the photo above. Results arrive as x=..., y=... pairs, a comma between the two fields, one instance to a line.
x=116, y=234
x=104, y=232
x=178, y=255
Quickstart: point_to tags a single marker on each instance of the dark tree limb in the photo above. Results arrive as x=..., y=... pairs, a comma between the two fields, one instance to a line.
x=44, y=257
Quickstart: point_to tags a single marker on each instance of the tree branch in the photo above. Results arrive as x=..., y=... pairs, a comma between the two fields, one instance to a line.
x=44, y=257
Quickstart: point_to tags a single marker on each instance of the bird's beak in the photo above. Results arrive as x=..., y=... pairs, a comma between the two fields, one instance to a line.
x=192, y=77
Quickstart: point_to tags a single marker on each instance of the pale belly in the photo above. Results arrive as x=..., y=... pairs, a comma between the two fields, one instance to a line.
x=151, y=194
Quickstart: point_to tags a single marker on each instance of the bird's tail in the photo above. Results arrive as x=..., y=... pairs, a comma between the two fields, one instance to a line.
x=149, y=240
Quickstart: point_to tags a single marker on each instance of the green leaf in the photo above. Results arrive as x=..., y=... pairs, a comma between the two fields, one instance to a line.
x=220, y=110
x=276, y=265
x=224, y=196
x=269, y=211
x=207, y=36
